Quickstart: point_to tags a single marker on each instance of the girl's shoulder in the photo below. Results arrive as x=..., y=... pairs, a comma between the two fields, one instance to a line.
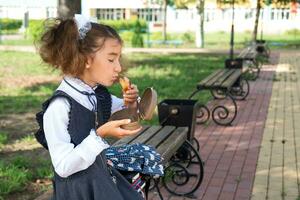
x=56, y=94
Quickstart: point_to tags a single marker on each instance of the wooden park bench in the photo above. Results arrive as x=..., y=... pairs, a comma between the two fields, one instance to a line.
x=178, y=156
x=173, y=139
x=254, y=55
x=227, y=85
x=249, y=57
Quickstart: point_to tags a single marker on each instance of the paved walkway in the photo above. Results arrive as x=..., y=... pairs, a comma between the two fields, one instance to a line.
x=278, y=169
x=256, y=158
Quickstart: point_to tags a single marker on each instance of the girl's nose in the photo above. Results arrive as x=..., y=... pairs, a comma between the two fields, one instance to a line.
x=118, y=67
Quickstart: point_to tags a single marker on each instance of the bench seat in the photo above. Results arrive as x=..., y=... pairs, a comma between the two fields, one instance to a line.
x=165, y=139
x=222, y=79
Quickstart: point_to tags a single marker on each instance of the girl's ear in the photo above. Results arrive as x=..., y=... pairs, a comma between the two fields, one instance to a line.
x=88, y=62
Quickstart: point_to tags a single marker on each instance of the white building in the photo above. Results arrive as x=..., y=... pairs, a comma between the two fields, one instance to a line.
x=274, y=20
x=37, y=9
x=182, y=20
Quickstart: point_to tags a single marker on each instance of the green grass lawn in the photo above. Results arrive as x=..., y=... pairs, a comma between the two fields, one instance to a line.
x=24, y=74
x=25, y=83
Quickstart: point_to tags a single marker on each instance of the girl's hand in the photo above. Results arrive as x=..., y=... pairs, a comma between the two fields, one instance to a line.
x=113, y=129
x=130, y=96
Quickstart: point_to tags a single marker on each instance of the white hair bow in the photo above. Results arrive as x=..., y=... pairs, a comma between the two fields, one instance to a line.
x=83, y=24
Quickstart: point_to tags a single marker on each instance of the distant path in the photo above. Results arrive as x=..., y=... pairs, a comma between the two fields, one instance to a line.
x=128, y=50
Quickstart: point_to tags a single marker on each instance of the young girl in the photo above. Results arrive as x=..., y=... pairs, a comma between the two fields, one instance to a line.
x=75, y=117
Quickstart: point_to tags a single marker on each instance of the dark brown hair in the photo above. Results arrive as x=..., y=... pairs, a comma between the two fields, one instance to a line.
x=61, y=47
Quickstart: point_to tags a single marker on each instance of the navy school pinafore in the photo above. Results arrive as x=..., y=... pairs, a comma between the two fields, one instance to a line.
x=98, y=181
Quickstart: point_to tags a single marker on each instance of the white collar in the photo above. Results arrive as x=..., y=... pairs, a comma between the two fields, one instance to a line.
x=79, y=84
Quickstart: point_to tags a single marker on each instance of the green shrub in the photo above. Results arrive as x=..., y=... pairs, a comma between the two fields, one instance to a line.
x=188, y=37
x=293, y=32
x=36, y=28
x=157, y=36
x=137, y=38
x=10, y=24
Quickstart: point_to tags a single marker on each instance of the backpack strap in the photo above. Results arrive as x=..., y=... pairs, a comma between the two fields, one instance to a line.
x=40, y=134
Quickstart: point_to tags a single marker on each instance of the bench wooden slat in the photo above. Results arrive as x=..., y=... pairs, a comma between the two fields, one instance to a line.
x=128, y=139
x=248, y=53
x=201, y=83
x=168, y=147
x=221, y=80
x=162, y=135
x=232, y=79
x=216, y=78
x=149, y=133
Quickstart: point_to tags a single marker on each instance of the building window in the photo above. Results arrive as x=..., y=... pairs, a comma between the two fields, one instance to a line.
x=110, y=14
x=150, y=14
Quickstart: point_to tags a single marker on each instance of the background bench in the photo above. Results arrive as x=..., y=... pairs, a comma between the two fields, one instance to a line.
x=249, y=57
x=262, y=48
x=254, y=55
x=226, y=85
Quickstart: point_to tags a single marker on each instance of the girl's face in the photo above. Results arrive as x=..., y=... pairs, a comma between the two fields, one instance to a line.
x=104, y=67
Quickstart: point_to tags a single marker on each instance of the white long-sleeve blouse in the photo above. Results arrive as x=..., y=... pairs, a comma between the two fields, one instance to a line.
x=66, y=158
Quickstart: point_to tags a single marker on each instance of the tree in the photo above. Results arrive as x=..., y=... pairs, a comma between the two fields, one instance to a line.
x=200, y=7
x=68, y=8
x=259, y=5
x=202, y=16
x=165, y=4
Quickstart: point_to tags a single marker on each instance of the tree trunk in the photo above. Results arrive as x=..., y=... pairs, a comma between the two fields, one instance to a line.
x=68, y=8
x=165, y=21
x=201, y=13
x=258, y=7
x=202, y=22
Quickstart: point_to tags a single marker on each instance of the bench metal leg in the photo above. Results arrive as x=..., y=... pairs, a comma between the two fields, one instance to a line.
x=224, y=113
x=194, y=93
x=218, y=94
x=185, y=172
x=195, y=144
x=254, y=68
x=202, y=112
x=241, y=91
x=154, y=184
